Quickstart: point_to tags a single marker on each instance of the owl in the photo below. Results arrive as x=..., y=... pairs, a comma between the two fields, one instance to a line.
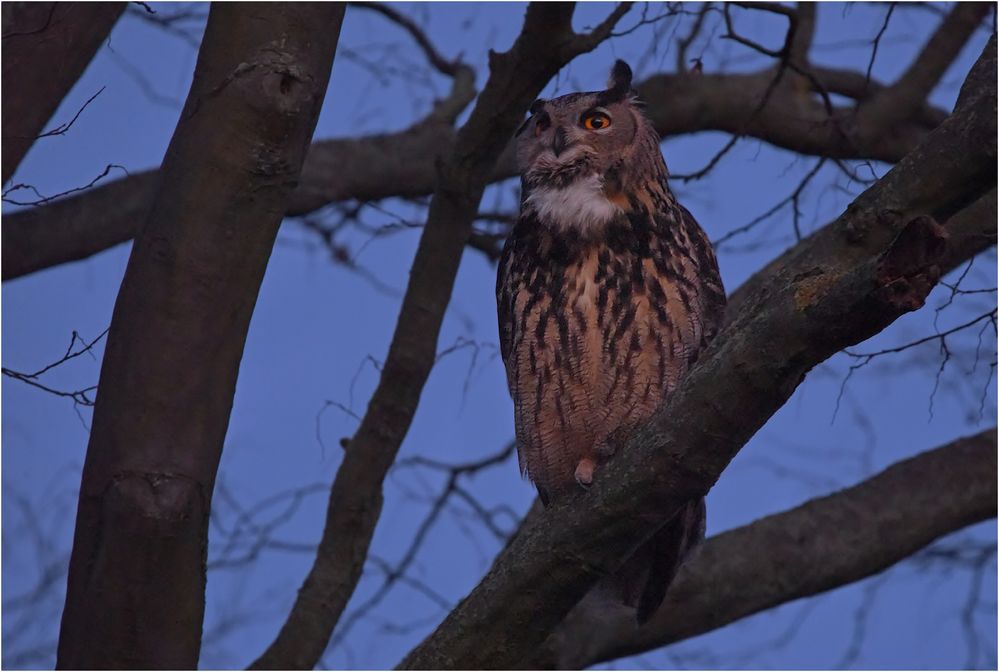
x=607, y=291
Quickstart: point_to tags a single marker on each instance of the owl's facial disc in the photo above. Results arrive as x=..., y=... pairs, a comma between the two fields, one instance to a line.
x=576, y=155
x=555, y=153
x=574, y=137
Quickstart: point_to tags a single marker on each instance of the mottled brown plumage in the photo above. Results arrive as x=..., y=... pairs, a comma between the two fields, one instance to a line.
x=607, y=292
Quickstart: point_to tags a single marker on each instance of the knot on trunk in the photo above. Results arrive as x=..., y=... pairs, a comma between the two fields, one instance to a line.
x=908, y=269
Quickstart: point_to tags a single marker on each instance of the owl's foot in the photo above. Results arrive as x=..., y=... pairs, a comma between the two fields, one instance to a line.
x=584, y=471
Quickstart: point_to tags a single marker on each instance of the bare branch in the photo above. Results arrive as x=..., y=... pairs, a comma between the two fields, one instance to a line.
x=864, y=358
x=441, y=64
x=63, y=128
x=900, y=100
x=876, y=42
x=463, y=87
x=397, y=572
x=42, y=200
x=792, y=199
x=940, y=337
x=683, y=44
x=80, y=397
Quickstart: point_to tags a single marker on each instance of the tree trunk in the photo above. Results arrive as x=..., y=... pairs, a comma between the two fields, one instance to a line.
x=137, y=573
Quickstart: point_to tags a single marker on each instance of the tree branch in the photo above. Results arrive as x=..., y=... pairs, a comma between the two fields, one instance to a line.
x=876, y=262
x=970, y=232
x=823, y=544
x=896, y=103
x=46, y=47
x=463, y=86
x=805, y=33
x=546, y=43
x=135, y=596
x=439, y=63
x=402, y=164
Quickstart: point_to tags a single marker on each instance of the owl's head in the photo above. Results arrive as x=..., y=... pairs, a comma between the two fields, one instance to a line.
x=597, y=144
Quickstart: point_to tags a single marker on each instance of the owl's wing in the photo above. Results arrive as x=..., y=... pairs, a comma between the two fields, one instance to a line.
x=504, y=302
x=507, y=286
x=712, y=291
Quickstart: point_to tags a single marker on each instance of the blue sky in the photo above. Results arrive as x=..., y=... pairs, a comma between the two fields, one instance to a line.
x=319, y=328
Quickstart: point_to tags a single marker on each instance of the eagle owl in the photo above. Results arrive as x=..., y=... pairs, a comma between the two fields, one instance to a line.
x=607, y=292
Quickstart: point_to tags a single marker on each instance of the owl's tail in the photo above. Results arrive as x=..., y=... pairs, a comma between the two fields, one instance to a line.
x=644, y=578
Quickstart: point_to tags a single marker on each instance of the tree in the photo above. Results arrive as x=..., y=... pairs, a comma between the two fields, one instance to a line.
x=210, y=215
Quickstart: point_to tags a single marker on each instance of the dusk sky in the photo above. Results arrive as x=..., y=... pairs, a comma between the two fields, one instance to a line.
x=320, y=328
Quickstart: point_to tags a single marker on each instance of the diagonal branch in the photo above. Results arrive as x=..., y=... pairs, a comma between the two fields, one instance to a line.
x=825, y=543
x=875, y=263
x=46, y=47
x=970, y=231
x=546, y=43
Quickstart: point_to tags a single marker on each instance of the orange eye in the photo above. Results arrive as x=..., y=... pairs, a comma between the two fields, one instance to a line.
x=594, y=121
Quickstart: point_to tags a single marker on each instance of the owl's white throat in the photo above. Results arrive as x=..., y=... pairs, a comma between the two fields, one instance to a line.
x=582, y=205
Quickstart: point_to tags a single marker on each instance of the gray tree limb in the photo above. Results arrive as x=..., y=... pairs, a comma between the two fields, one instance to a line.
x=135, y=597
x=876, y=262
x=823, y=544
x=402, y=163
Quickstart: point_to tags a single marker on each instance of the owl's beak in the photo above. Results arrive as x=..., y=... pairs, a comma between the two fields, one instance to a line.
x=560, y=141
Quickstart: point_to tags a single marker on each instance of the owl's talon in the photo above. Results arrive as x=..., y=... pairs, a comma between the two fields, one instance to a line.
x=584, y=472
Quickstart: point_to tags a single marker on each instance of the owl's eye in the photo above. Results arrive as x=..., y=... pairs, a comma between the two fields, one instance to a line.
x=594, y=120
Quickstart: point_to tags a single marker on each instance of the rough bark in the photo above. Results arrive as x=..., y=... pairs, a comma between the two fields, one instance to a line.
x=876, y=262
x=823, y=544
x=137, y=572
x=970, y=231
x=546, y=43
x=46, y=47
x=403, y=163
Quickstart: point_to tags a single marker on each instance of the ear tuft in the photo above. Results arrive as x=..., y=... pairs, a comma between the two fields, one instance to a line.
x=620, y=77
